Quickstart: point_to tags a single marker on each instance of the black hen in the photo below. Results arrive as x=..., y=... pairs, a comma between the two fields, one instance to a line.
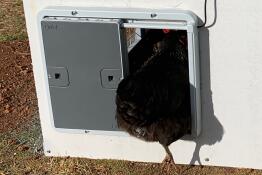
x=153, y=104
x=145, y=48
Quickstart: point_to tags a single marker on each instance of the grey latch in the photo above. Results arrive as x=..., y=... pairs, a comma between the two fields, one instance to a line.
x=110, y=78
x=58, y=76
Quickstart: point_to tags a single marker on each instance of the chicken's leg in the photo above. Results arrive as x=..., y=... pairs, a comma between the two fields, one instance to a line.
x=169, y=157
x=169, y=162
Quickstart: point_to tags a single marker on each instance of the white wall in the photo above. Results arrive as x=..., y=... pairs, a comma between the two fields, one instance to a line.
x=231, y=80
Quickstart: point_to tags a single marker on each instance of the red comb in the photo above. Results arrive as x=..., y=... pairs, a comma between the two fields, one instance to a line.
x=166, y=30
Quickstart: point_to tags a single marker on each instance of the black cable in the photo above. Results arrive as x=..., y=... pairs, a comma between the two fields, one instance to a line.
x=205, y=12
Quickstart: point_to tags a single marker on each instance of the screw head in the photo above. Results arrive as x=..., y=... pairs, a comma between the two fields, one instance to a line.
x=153, y=15
x=74, y=12
x=207, y=159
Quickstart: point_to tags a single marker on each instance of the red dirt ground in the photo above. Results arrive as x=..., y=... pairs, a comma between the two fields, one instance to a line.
x=17, y=91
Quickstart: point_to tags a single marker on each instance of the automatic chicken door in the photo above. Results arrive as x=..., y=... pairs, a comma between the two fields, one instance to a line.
x=86, y=53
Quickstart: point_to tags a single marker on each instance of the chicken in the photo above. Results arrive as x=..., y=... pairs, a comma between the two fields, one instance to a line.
x=153, y=103
x=145, y=48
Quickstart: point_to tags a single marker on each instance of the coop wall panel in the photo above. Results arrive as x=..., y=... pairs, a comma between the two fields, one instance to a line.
x=231, y=83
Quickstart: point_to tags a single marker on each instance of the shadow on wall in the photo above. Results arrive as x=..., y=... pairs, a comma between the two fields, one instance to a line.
x=212, y=129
